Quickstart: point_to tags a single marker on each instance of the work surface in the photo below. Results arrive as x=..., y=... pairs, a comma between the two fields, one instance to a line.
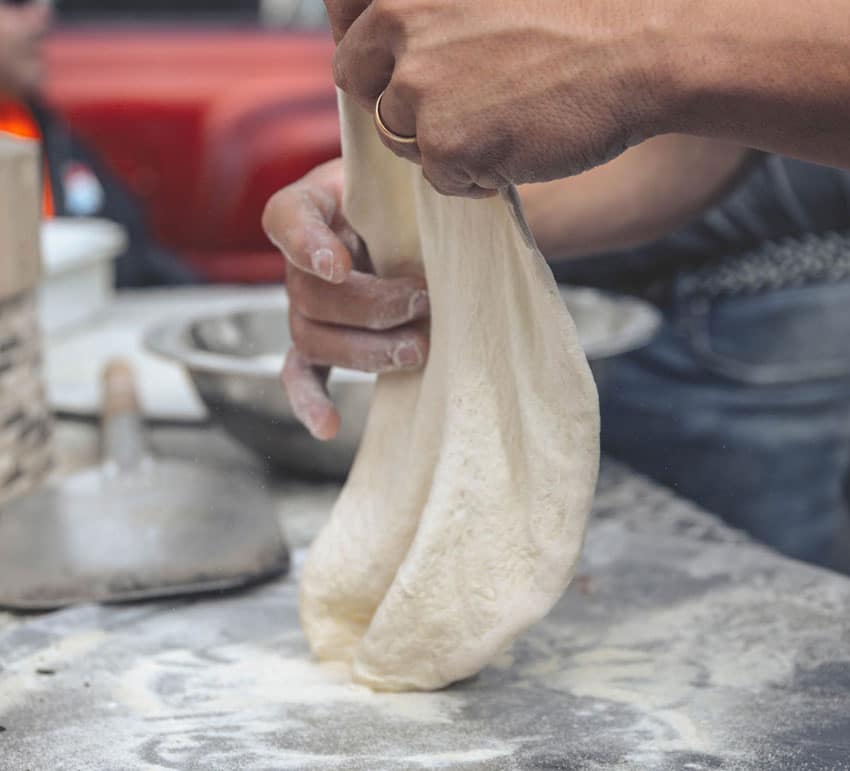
x=680, y=646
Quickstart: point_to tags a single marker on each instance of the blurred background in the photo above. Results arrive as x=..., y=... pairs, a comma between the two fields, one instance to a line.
x=202, y=110
x=301, y=12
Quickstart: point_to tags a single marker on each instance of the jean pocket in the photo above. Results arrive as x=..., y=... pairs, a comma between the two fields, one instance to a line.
x=789, y=335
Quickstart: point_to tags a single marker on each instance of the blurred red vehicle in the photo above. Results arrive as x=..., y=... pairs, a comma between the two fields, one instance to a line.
x=203, y=126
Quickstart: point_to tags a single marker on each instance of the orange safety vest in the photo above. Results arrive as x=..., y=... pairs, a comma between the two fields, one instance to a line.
x=17, y=120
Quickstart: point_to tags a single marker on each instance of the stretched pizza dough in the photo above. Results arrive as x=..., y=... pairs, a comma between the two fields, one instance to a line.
x=464, y=513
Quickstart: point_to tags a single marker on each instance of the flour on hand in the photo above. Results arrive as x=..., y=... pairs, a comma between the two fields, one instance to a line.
x=465, y=510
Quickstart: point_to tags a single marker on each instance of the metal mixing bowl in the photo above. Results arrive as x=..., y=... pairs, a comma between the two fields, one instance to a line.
x=234, y=359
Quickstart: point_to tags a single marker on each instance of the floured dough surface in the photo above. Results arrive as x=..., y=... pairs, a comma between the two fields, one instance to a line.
x=464, y=513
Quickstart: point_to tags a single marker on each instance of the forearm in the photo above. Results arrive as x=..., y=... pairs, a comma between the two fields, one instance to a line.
x=640, y=196
x=773, y=75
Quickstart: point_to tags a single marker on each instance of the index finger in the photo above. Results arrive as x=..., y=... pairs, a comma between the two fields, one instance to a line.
x=298, y=221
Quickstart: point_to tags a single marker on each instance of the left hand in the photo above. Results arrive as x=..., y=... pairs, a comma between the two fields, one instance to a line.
x=340, y=313
x=504, y=92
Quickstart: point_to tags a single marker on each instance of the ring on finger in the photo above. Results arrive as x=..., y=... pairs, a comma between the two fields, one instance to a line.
x=387, y=132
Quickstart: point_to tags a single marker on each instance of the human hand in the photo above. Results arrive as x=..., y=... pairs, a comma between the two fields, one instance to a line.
x=340, y=313
x=507, y=92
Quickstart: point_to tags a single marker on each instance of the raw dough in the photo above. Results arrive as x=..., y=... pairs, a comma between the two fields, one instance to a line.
x=465, y=510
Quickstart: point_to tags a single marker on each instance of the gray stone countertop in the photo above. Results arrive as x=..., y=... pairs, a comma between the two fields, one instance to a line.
x=680, y=645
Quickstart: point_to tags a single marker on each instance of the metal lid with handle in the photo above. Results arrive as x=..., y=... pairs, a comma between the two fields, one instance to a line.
x=137, y=526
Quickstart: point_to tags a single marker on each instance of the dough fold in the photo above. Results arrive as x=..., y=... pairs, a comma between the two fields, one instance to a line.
x=464, y=513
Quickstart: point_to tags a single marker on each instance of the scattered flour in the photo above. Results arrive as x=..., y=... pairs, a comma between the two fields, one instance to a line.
x=17, y=683
x=241, y=678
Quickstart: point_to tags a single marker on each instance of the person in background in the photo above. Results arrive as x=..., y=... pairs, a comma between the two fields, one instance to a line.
x=76, y=182
x=742, y=401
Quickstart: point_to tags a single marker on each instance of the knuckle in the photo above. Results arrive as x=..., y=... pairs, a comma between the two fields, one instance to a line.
x=298, y=330
x=388, y=14
x=488, y=168
x=457, y=164
x=442, y=145
x=376, y=360
x=450, y=150
x=405, y=350
x=271, y=211
x=409, y=81
x=296, y=289
x=421, y=340
x=312, y=300
x=380, y=319
x=384, y=304
x=294, y=244
x=442, y=183
x=284, y=223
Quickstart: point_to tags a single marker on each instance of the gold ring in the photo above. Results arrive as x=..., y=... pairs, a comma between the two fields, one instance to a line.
x=388, y=132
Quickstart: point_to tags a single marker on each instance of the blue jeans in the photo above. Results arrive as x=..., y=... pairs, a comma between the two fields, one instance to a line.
x=742, y=404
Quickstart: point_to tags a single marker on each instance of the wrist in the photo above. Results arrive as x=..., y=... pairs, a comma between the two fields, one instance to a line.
x=777, y=81
x=700, y=58
x=663, y=69
x=661, y=83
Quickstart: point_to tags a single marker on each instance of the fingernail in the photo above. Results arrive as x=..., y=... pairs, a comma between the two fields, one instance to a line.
x=407, y=356
x=323, y=263
x=419, y=304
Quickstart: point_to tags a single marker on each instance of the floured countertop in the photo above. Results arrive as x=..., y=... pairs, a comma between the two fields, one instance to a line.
x=679, y=646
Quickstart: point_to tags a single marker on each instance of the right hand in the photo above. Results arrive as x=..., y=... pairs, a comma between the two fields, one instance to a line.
x=507, y=92
x=340, y=313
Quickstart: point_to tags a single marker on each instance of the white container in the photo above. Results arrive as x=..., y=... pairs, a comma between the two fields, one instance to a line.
x=78, y=258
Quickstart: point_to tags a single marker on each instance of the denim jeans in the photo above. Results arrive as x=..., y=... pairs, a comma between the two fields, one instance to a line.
x=742, y=404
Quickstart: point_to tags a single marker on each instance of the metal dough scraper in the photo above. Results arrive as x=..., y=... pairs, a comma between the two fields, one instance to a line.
x=137, y=526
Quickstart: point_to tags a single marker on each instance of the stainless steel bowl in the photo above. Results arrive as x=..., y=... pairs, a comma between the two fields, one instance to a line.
x=234, y=359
